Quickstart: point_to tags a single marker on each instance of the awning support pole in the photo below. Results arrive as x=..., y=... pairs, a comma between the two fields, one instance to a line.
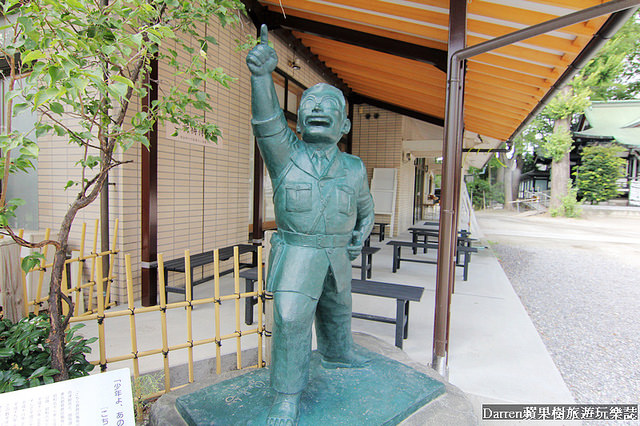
x=451, y=174
x=452, y=150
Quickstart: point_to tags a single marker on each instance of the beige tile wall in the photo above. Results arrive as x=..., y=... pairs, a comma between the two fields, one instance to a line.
x=379, y=143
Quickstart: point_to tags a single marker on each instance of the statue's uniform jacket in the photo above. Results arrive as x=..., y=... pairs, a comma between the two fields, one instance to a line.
x=316, y=214
x=309, y=265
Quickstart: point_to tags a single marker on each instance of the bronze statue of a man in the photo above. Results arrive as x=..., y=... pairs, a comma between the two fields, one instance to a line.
x=324, y=213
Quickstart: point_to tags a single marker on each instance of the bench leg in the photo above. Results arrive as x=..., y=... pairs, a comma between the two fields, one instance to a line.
x=166, y=283
x=465, y=271
x=363, y=268
x=382, y=227
x=248, y=302
x=369, y=265
x=192, y=280
x=414, y=240
x=399, y=322
x=406, y=319
x=394, y=264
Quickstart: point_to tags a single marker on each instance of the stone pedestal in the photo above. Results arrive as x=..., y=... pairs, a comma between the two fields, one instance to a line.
x=390, y=390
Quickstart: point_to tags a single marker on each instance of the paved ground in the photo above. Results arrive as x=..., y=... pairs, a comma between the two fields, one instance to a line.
x=579, y=280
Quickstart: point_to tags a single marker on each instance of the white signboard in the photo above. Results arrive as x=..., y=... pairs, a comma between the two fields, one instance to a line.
x=383, y=190
x=190, y=135
x=100, y=399
x=634, y=193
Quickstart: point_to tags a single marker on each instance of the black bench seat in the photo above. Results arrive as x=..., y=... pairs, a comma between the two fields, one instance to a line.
x=397, y=254
x=367, y=261
x=202, y=259
x=381, y=230
x=402, y=293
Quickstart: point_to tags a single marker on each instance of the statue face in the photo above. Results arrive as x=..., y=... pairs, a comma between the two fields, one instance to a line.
x=321, y=115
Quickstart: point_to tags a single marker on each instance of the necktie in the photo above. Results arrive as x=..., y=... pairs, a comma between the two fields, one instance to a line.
x=320, y=161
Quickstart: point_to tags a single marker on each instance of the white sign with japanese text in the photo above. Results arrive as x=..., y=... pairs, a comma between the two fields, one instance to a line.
x=190, y=135
x=634, y=193
x=100, y=399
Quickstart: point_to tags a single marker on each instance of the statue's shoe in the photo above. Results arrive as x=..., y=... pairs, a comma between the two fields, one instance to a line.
x=284, y=410
x=351, y=360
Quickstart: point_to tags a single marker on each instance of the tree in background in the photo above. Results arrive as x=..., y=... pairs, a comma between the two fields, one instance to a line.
x=483, y=188
x=557, y=145
x=597, y=176
x=80, y=65
x=611, y=74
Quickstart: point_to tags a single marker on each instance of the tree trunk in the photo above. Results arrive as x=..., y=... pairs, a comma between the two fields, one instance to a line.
x=515, y=180
x=559, y=171
x=508, y=183
x=56, y=298
x=58, y=323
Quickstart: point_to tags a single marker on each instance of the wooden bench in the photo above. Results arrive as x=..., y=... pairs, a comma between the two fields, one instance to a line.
x=397, y=255
x=367, y=261
x=402, y=293
x=430, y=233
x=381, y=230
x=202, y=259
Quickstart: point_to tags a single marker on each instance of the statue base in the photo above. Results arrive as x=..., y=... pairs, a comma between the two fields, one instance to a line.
x=385, y=392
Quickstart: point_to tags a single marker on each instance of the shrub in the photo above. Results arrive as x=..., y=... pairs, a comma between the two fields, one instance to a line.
x=484, y=194
x=570, y=206
x=25, y=357
x=597, y=176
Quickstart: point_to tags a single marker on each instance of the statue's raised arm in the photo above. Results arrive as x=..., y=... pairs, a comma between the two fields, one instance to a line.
x=262, y=61
x=269, y=123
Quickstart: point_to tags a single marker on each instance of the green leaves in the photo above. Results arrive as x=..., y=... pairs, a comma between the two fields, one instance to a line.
x=25, y=356
x=611, y=74
x=557, y=144
x=31, y=261
x=567, y=103
x=91, y=161
x=597, y=176
x=32, y=56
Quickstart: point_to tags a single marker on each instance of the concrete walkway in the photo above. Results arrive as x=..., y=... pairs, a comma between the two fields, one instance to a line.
x=496, y=355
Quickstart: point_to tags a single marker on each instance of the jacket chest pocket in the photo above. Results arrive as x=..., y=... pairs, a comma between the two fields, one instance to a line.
x=346, y=203
x=298, y=197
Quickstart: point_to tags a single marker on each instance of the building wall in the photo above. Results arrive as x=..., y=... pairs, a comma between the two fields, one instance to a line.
x=378, y=141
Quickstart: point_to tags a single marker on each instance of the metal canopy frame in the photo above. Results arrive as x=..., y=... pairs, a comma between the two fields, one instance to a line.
x=452, y=165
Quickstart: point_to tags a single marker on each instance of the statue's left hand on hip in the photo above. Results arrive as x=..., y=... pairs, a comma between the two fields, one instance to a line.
x=355, y=247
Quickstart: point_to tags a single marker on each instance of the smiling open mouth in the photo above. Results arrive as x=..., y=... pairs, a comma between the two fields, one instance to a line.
x=318, y=121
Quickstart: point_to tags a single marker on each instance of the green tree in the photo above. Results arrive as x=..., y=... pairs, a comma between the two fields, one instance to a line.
x=481, y=190
x=612, y=73
x=597, y=176
x=80, y=65
x=557, y=145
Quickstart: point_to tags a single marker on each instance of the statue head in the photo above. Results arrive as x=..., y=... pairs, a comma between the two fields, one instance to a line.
x=322, y=116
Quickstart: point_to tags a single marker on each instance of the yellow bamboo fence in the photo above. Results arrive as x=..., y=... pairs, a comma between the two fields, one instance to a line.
x=136, y=356
x=81, y=286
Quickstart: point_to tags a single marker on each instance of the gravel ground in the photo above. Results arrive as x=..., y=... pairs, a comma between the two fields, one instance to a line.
x=585, y=306
x=579, y=280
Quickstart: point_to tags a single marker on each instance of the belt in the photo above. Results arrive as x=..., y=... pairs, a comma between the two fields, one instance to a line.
x=317, y=241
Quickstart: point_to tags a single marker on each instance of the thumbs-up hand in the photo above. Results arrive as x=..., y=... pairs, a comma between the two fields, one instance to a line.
x=262, y=59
